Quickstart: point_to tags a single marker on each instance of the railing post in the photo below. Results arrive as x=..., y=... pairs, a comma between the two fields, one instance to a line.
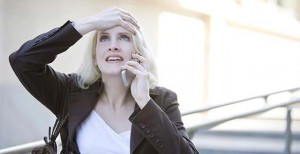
x=266, y=99
x=288, y=132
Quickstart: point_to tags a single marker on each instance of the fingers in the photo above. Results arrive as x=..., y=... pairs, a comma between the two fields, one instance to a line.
x=135, y=68
x=107, y=19
x=127, y=26
x=143, y=61
x=136, y=72
x=133, y=64
x=125, y=19
x=138, y=57
x=130, y=20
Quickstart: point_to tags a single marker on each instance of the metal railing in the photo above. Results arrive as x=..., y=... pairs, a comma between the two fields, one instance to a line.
x=26, y=148
x=213, y=123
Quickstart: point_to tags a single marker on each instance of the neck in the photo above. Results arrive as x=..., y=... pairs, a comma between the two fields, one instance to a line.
x=115, y=93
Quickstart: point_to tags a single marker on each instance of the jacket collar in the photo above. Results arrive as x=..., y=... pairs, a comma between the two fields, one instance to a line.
x=82, y=103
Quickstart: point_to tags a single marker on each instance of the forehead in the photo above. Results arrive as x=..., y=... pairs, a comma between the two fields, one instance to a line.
x=115, y=30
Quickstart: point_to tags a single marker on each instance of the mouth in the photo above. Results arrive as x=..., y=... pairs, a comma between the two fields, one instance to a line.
x=114, y=58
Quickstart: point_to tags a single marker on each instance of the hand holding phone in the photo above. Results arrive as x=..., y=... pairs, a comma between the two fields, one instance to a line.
x=127, y=76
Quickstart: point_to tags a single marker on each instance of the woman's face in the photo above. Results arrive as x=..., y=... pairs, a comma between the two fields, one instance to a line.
x=114, y=47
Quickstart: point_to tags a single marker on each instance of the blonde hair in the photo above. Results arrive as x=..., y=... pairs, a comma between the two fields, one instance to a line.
x=88, y=72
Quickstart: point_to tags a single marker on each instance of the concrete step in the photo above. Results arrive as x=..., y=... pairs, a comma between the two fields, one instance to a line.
x=243, y=142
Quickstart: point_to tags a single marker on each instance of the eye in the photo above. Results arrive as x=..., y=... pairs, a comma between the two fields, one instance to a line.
x=124, y=38
x=103, y=38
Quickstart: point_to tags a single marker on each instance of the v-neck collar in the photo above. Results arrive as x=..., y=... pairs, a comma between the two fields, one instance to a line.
x=102, y=121
x=81, y=104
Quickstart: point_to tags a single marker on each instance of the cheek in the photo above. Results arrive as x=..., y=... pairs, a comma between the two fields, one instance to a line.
x=128, y=48
x=98, y=56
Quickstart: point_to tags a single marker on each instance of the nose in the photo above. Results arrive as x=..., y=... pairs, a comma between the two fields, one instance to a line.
x=114, y=49
x=114, y=46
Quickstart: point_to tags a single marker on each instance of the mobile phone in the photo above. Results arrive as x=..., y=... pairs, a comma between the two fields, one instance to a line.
x=127, y=76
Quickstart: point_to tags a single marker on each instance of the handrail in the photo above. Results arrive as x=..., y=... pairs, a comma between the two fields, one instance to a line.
x=237, y=101
x=212, y=123
x=26, y=148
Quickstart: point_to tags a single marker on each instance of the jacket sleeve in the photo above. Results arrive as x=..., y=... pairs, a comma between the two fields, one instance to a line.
x=162, y=126
x=30, y=64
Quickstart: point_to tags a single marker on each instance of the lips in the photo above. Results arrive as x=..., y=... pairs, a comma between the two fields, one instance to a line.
x=114, y=58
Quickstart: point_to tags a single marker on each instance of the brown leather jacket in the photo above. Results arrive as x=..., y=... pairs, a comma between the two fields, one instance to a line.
x=157, y=128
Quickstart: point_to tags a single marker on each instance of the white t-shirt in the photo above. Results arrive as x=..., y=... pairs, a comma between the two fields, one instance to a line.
x=94, y=136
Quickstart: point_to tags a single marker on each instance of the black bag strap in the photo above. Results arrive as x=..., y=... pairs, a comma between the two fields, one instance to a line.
x=58, y=129
x=55, y=131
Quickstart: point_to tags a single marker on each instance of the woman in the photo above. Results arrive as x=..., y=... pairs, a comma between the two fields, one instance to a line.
x=104, y=116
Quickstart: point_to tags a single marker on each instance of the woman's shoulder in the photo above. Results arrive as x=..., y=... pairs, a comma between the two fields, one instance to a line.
x=162, y=91
x=75, y=88
x=163, y=96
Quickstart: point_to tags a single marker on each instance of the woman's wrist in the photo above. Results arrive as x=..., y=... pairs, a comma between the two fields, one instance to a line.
x=142, y=103
x=83, y=26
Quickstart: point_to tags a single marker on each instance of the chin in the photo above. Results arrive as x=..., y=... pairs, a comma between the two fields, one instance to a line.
x=111, y=72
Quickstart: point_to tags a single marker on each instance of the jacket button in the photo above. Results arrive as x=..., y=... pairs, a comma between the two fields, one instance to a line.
x=161, y=145
x=157, y=141
x=147, y=130
x=142, y=125
x=151, y=135
x=37, y=41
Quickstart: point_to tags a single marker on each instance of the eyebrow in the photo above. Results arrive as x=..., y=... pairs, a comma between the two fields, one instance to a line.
x=121, y=33
x=125, y=33
x=103, y=33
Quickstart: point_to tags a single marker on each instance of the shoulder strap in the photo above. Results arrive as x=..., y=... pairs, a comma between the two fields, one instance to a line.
x=57, y=128
x=55, y=131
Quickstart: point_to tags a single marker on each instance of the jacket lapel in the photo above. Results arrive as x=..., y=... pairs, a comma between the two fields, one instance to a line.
x=80, y=105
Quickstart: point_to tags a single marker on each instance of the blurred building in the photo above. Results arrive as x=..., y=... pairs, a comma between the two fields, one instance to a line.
x=208, y=51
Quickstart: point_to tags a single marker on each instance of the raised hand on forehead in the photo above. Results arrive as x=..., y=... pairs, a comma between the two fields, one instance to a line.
x=107, y=19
